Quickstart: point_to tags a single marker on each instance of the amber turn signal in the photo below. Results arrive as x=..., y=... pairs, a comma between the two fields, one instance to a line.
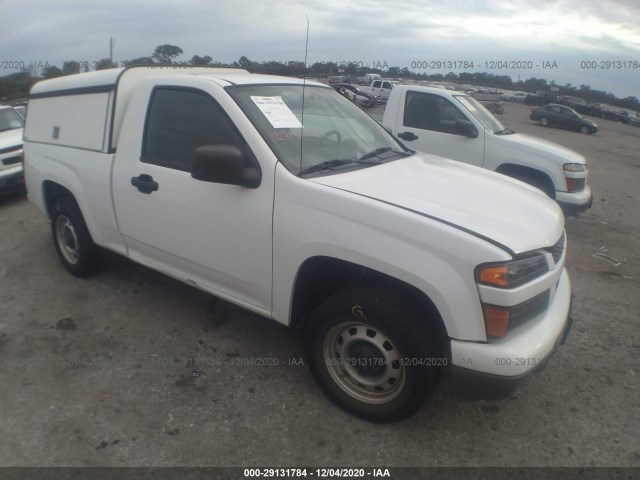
x=496, y=320
x=495, y=275
x=572, y=184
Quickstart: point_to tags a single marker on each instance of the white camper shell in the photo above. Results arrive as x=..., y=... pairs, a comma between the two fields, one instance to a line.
x=92, y=105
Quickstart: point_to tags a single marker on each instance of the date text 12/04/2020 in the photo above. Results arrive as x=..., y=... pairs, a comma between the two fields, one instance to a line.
x=487, y=64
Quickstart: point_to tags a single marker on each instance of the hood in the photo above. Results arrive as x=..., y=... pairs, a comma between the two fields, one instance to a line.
x=10, y=138
x=534, y=145
x=498, y=208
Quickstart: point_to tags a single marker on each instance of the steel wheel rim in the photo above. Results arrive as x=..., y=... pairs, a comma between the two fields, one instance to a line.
x=67, y=239
x=544, y=122
x=584, y=130
x=364, y=362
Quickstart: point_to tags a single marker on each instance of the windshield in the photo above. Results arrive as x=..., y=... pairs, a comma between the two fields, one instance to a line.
x=10, y=119
x=337, y=133
x=484, y=116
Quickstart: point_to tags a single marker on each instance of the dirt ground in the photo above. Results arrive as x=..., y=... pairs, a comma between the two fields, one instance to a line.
x=131, y=368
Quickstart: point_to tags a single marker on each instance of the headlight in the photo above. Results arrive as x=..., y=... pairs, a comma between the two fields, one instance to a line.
x=512, y=274
x=574, y=167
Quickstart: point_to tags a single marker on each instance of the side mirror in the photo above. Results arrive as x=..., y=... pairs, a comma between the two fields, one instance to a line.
x=224, y=164
x=465, y=128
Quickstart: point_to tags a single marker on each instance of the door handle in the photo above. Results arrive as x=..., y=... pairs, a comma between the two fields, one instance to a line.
x=144, y=183
x=408, y=136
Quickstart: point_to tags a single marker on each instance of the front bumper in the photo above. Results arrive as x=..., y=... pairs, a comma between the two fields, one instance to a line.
x=11, y=178
x=495, y=370
x=575, y=203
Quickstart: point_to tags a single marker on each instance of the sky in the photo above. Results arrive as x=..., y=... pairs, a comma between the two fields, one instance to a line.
x=572, y=34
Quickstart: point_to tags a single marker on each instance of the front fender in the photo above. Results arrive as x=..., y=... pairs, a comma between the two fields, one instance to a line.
x=312, y=220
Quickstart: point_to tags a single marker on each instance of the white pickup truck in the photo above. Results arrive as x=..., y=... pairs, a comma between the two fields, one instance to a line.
x=397, y=266
x=454, y=125
x=379, y=87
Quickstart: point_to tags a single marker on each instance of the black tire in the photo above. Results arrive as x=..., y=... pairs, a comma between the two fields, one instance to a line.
x=344, y=343
x=72, y=240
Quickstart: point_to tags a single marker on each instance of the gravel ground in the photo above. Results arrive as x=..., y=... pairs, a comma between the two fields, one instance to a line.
x=100, y=372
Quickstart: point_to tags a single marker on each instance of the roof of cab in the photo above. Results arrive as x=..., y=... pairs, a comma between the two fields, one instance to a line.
x=108, y=79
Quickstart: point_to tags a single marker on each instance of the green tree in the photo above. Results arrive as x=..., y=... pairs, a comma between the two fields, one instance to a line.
x=104, y=64
x=166, y=53
x=393, y=72
x=52, y=72
x=69, y=68
x=16, y=85
x=245, y=63
x=139, y=61
x=295, y=68
x=197, y=60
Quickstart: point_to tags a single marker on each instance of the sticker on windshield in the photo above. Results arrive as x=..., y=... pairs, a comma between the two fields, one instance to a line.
x=277, y=112
x=467, y=104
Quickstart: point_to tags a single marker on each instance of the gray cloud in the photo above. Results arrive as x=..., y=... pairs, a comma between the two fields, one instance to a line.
x=365, y=30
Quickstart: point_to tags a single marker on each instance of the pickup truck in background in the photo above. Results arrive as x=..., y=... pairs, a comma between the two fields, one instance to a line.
x=380, y=88
x=11, y=124
x=455, y=125
x=397, y=266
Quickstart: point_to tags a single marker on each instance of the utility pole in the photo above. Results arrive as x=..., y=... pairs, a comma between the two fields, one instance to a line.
x=112, y=41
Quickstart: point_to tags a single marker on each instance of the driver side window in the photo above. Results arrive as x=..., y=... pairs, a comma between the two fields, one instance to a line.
x=431, y=112
x=180, y=120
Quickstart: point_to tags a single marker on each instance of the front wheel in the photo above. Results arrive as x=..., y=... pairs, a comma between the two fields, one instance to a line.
x=544, y=122
x=373, y=353
x=71, y=237
x=585, y=130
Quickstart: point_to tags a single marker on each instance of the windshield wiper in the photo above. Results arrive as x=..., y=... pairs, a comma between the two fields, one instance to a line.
x=381, y=150
x=326, y=165
x=332, y=164
x=338, y=162
x=505, y=131
x=375, y=153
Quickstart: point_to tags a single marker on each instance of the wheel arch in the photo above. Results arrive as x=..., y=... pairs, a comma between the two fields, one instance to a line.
x=52, y=192
x=521, y=172
x=320, y=276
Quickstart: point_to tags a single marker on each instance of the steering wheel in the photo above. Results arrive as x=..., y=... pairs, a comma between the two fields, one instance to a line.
x=336, y=133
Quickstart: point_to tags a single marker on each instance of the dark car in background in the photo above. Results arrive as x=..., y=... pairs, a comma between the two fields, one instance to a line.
x=563, y=117
x=606, y=112
x=629, y=118
x=577, y=104
x=373, y=99
x=540, y=98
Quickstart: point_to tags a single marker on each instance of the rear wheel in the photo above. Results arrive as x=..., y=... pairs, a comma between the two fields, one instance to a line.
x=373, y=353
x=544, y=122
x=71, y=237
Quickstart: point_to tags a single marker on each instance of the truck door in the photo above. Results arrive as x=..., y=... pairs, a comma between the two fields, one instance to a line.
x=217, y=236
x=433, y=124
x=385, y=90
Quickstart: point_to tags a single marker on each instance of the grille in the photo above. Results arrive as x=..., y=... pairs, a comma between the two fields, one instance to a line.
x=558, y=249
x=527, y=310
x=11, y=161
x=10, y=149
